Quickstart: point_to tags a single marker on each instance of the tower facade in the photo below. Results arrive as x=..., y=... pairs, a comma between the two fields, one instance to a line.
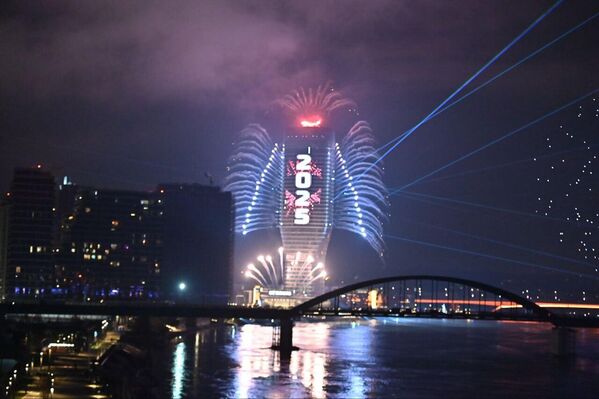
x=307, y=206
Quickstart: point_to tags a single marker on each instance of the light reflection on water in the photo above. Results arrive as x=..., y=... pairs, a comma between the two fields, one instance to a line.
x=178, y=370
x=258, y=363
x=384, y=358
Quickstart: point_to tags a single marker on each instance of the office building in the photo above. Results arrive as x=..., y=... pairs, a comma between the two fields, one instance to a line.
x=29, y=264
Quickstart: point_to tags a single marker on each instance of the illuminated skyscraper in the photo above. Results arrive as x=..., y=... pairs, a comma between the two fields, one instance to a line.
x=305, y=186
x=306, y=220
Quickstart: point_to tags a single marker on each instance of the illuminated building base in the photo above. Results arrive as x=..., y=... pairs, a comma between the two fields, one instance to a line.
x=282, y=299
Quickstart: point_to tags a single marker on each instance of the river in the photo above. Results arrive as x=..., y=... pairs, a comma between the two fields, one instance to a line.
x=385, y=358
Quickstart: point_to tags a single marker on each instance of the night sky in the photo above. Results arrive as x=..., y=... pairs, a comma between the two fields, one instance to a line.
x=130, y=94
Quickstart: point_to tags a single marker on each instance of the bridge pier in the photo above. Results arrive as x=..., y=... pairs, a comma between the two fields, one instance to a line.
x=563, y=341
x=283, y=338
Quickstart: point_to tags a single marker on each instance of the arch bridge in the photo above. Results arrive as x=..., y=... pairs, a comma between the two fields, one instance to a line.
x=396, y=296
x=414, y=296
x=424, y=295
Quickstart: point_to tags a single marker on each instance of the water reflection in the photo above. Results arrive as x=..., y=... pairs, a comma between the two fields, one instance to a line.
x=381, y=358
x=261, y=369
x=178, y=370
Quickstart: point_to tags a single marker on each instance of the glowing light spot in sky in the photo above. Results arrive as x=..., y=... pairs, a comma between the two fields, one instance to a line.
x=311, y=123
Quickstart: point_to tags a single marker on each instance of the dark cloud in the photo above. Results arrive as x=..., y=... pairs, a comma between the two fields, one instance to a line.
x=246, y=53
x=148, y=51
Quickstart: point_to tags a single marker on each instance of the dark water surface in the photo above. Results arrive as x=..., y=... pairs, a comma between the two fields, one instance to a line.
x=385, y=358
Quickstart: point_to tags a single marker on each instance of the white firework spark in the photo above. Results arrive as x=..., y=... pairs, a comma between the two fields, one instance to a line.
x=360, y=204
x=271, y=276
x=254, y=174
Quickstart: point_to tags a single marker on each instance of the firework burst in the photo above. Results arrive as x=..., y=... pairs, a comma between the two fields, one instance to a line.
x=268, y=272
x=323, y=100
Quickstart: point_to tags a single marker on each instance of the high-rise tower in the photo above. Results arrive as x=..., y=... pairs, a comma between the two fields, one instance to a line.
x=305, y=186
x=306, y=216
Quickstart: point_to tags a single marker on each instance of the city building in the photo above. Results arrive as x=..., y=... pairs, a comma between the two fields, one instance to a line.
x=29, y=263
x=110, y=245
x=198, y=231
x=3, y=247
x=77, y=243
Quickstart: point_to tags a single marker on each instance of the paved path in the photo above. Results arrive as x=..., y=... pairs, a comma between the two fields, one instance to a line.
x=69, y=374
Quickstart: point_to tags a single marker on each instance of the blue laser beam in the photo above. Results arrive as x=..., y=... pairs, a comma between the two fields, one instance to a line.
x=463, y=85
x=476, y=205
x=488, y=256
x=523, y=60
x=474, y=76
x=502, y=243
x=500, y=74
x=505, y=164
x=497, y=140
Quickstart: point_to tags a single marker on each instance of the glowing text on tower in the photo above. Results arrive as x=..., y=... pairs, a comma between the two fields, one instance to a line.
x=303, y=181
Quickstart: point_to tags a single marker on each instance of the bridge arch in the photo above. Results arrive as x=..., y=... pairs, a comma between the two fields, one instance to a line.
x=518, y=301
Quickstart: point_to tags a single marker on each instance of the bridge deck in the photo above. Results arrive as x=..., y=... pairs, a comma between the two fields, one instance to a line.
x=182, y=310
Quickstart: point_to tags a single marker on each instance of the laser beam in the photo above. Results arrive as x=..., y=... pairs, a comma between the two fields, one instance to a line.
x=506, y=164
x=497, y=140
x=500, y=74
x=482, y=206
x=487, y=256
x=502, y=243
x=467, y=82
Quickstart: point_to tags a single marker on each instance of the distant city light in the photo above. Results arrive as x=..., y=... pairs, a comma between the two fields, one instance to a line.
x=182, y=286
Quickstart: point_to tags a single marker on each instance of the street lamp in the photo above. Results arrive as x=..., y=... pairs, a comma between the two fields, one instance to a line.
x=182, y=286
